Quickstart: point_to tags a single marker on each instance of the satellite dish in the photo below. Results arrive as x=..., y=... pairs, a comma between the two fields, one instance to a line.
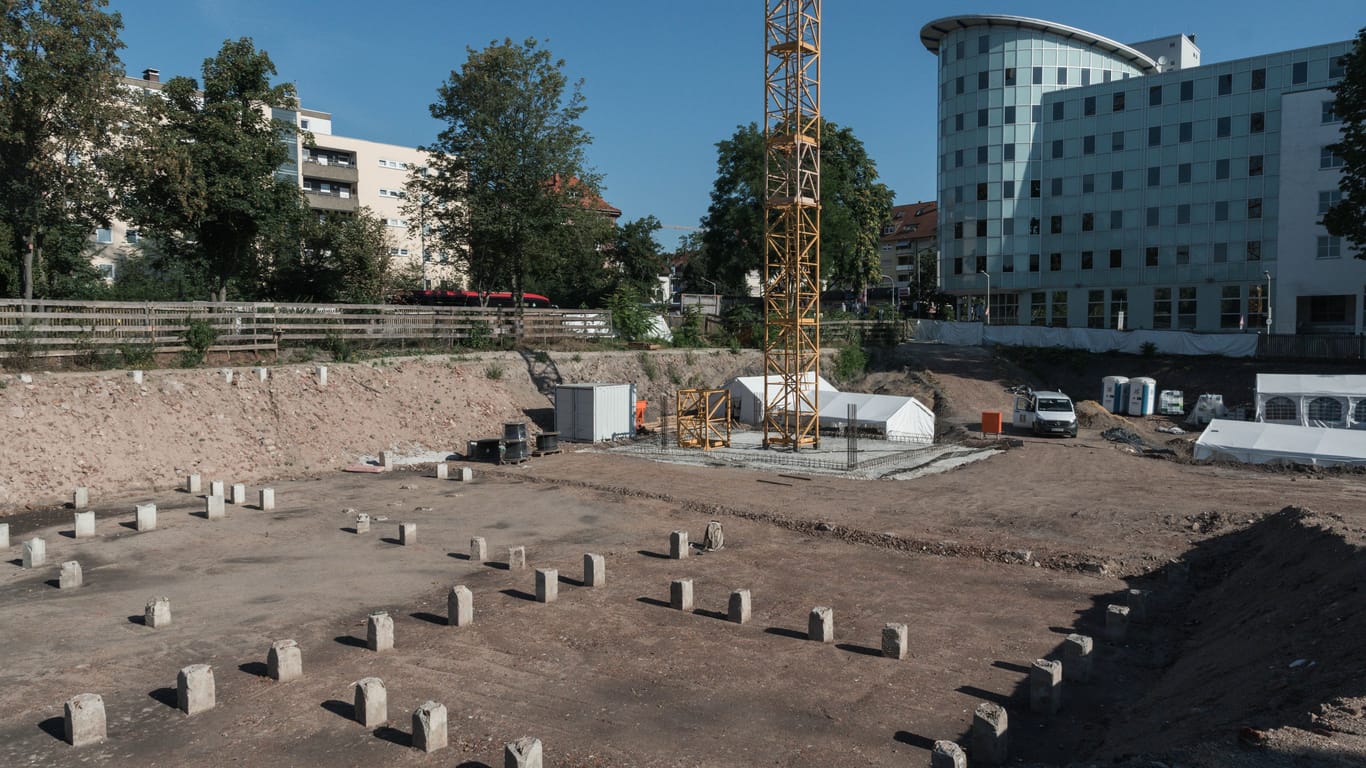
x=1162, y=62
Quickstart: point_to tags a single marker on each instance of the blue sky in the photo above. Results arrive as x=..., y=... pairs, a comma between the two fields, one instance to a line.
x=665, y=81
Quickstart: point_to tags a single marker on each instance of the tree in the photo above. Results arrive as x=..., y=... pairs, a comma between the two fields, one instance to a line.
x=854, y=206
x=332, y=257
x=1347, y=218
x=202, y=174
x=508, y=166
x=59, y=76
x=637, y=258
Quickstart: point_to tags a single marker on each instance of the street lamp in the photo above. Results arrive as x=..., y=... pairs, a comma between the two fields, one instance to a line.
x=889, y=279
x=986, y=315
x=1267, y=273
x=715, y=304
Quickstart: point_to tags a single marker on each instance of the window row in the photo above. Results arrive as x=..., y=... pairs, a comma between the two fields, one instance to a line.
x=1090, y=260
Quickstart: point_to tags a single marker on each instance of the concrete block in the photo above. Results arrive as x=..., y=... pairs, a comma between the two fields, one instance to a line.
x=594, y=570
x=362, y=523
x=157, y=614
x=1076, y=658
x=516, y=557
x=407, y=534
x=237, y=494
x=948, y=754
x=1116, y=622
x=1138, y=604
x=678, y=545
x=35, y=552
x=213, y=507
x=322, y=375
x=547, y=585
x=4, y=535
x=895, y=641
x=386, y=460
x=372, y=702
x=71, y=576
x=1045, y=686
x=990, y=735
x=466, y=475
x=443, y=470
x=216, y=488
x=820, y=625
x=284, y=661
x=267, y=499
x=195, y=689
x=227, y=374
x=194, y=484
x=479, y=549
x=429, y=727
x=85, y=723
x=522, y=753
x=680, y=594
x=460, y=607
x=262, y=373
x=25, y=378
x=136, y=376
x=738, y=611
x=379, y=632
x=80, y=498
x=85, y=525
x=147, y=517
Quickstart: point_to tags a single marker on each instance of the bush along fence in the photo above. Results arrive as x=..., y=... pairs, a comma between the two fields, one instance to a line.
x=43, y=329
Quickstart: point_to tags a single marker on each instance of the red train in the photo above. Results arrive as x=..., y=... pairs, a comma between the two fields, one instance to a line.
x=470, y=299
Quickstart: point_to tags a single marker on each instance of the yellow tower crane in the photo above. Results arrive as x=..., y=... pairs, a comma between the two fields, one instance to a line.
x=792, y=229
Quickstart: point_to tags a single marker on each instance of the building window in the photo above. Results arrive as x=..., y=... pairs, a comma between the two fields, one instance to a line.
x=1299, y=73
x=1225, y=85
x=1009, y=151
x=1183, y=173
x=1153, y=216
x=1255, y=165
x=1057, y=148
x=1010, y=75
x=1059, y=309
x=1186, y=132
x=1183, y=213
x=1324, y=409
x=1119, y=305
x=396, y=165
x=1328, y=115
x=1258, y=79
x=1254, y=208
x=1088, y=259
x=1035, y=188
x=1162, y=308
x=981, y=190
x=1280, y=409
x=1254, y=250
x=1088, y=222
x=1337, y=66
x=303, y=123
x=982, y=81
x=958, y=230
x=1008, y=225
x=1055, y=187
x=1010, y=116
x=1008, y=262
x=1155, y=136
x=981, y=118
x=1037, y=75
x=1117, y=102
x=981, y=227
x=1116, y=180
x=1062, y=75
x=1088, y=145
x=958, y=122
x=1033, y=262
x=1183, y=255
x=1221, y=169
x=981, y=265
x=1095, y=309
x=1117, y=141
x=1038, y=308
x=133, y=236
x=1329, y=199
x=395, y=193
x=1155, y=96
x=1116, y=258
x=1085, y=76
x=1231, y=306
x=1116, y=219
x=1329, y=159
x=396, y=222
x=1256, y=122
x=1088, y=106
x=1330, y=247
x=1055, y=262
x=1188, y=90
x=1055, y=225
x=958, y=158
x=1220, y=255
x=958, y=265
x=1008, y=190
x=1223, y=127
x=1036, y=113
x=1088, y=183
x=959, y=85
x=104, y=235
x=959, y=50
x=1221, y=210
x=1154, y=176
x=981, y=155
x=984, y=43
x=1186, y=307
x=1151, y=256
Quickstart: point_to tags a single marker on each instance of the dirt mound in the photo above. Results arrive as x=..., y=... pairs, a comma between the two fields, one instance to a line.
x=1092, y=415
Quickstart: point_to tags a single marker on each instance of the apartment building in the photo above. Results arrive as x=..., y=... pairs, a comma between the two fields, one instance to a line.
x=913, y=230
x=1096, y=184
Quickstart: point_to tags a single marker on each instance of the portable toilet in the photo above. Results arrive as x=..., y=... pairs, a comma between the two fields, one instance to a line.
x=1114, y=394
x=1142, y=396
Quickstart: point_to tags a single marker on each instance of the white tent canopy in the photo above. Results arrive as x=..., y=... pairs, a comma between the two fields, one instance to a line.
x=898, y=418
x=747, y=395
x=1258, y=443
x=1312, y=400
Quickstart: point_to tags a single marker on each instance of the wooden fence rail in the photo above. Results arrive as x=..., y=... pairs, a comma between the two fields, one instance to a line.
x=62, y=328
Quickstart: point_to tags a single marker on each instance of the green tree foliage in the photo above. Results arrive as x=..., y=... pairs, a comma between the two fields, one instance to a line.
x=637, y=257
x=59, y=76
x=507, y=165
x=202, y=175
x=854, y=206
x=1348, y=217
x=332, y=257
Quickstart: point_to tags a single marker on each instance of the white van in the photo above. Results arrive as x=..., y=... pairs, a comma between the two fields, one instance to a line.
x=1045, y=413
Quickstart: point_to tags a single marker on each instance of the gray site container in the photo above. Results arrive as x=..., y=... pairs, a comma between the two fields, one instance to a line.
x=591, y=413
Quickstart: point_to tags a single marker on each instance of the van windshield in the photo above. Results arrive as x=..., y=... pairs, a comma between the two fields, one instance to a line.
x=1055, y=405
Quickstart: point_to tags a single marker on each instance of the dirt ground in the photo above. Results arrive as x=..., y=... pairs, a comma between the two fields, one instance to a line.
x=1253, y=660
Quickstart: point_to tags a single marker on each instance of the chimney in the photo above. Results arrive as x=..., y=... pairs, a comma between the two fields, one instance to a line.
x=151, y=75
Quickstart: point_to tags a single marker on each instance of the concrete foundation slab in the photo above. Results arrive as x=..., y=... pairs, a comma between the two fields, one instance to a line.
x=895, y=641
x=678, y=545
x=460, y=607
x=284, y=661
x=362, y=523
x=443, y=471
x=71, y=576
x=84, y=720
x=372, y=702
x=379, y=632
x=948, y=754
x=267, y=499
x=522, y=753
x=594, y=570
x=1116, y=622
x=479, y=549
x=820, y=625
x=738, y=611
x=80, y=498
x=194, y=484
x=237, y=494
x=990, y=736
x=217, y=488
x=195, y=689
x=214, y=508
x=1076, y=658
x=85, y=525
x=146, y=517
x=429, y=727
x=547, y=585
x=680, y=594
x=516, y=557
x=35, y=553
x=407, y=534
x=1045, y=686
x=157, y=614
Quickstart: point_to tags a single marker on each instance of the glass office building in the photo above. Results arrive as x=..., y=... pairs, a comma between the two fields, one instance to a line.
x=1103, y=185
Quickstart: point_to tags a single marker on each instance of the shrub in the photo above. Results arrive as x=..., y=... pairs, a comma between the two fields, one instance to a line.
x=138, y=355
x=630, y=319
x=199, y=335
x=480, y=335
x=343, y=349
x=23, y=350
x=493, y=371
x=647, y=364
x=1148, y=349
x=689, y=333
x=850, y=362
x=541, y=356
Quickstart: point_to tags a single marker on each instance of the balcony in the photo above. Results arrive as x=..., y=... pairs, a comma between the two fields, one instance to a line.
x=327, y=201
x=313, y=169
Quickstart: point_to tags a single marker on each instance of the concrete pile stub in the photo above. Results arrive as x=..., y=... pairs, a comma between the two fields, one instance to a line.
x=990, y=736
x=680, y=594
x=466, y=475
x=267, y=499
x=136, y=376
x=594, y=570
x=157, y=614
x=71, y=576
x=238, y=494
x=516, y=557
x=25, y=378
x=895, y=641
x=80, y=498
x=146, y=516
x=547, y=585
x=84, y=720
x=1045, y=686
x=429, y=727
x=372, y=702
x=386, y=460
x=227, y=374
x=217, y=488
x=1116, y=622
x=820, y=625
x=1076, y=658
x=522, y=753
x=407, y=534
x=284, y=661
x=213, y=507
x=362, y=523
x=379, y=632
x=678, y=545
x=443, y=470
x=262, y=373
x=195, y=689
x=738, y=611
x=322, y=375
x=948, y=754
x=479, y=549
x=4, y=535
x=1138, y=604
x=460, y=606
x=35, y=552
x=85, y=525
x=194, y=484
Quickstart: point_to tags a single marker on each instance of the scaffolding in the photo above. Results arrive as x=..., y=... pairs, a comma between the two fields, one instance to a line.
x=792, y=194
x=703, y=418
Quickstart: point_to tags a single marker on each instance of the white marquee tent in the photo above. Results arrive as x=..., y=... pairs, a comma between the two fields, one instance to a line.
x=747, y=395
x=1311, y=400
x=897, y=418
x=1259, y=443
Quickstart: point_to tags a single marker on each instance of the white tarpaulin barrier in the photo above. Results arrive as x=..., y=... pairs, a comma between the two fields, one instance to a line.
x=898, y=418
x=747, y=396
x=1253, y=442
x=1089, y=339
x=1310, y=400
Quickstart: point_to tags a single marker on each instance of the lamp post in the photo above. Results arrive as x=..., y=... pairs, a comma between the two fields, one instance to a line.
x=1267, y=273
x=986, y=315
x=889, y=279
x=715, y=304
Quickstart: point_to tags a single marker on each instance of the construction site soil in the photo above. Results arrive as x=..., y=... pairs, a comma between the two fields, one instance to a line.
x=1250, y=653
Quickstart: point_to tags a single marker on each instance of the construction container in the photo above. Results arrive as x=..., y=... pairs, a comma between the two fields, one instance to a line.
x=592, y=413
x=991, y=422
x=1114, y=393
x=1142, y=396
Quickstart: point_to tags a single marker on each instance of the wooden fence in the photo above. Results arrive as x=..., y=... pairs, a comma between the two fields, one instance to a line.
x=64, y=328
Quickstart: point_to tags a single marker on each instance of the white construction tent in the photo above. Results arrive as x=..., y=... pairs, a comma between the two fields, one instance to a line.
x=903, y=419
x=1254, y=442
x=1310, y=400
x=747, y=395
